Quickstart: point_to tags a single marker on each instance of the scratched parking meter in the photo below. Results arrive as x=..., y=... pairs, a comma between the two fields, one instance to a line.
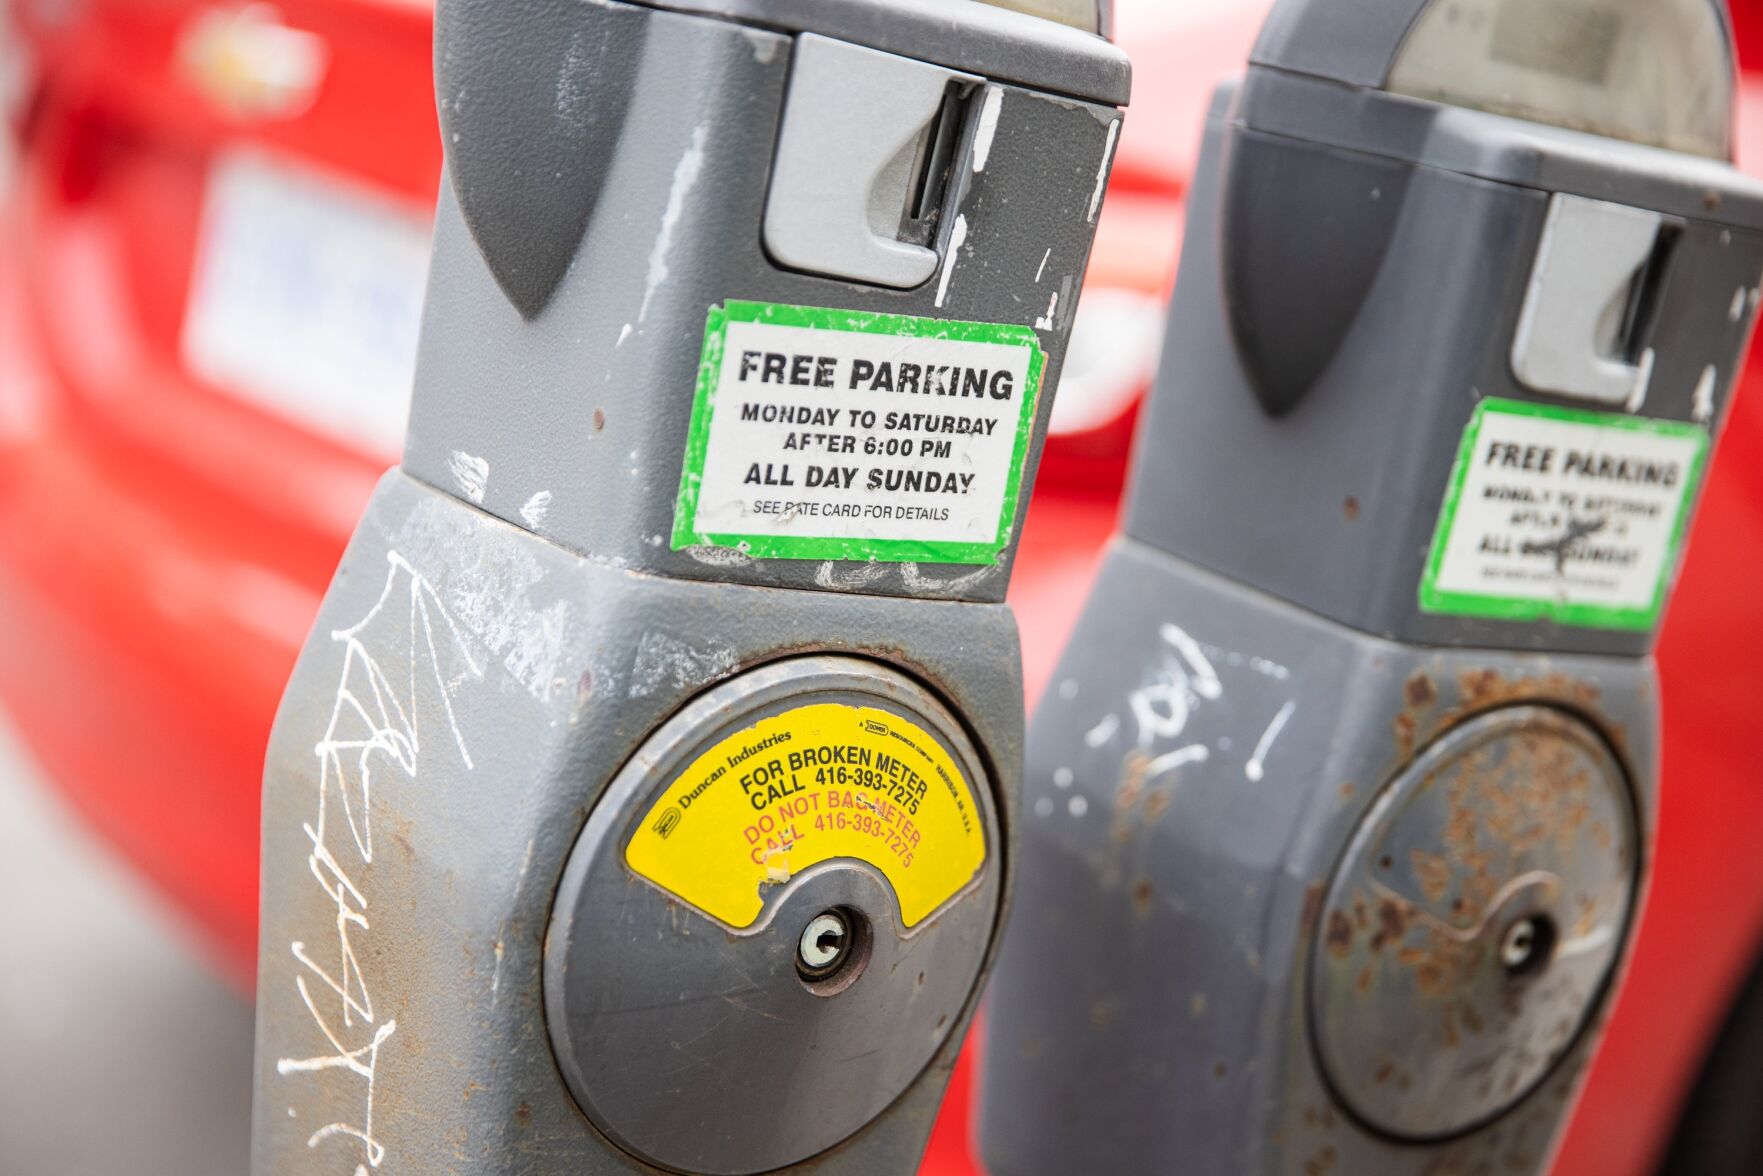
x=1338, y=806
x=642, y=800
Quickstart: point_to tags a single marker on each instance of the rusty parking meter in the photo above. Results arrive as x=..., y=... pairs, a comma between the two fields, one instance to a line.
x=1338, y=806
x=643, y=798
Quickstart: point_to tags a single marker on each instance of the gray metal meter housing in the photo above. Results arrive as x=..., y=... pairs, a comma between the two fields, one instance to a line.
x=1339, y=802
x=460, y=968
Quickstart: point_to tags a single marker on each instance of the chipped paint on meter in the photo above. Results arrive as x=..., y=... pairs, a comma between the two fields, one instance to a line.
x=814, y=792
x=1473, y=925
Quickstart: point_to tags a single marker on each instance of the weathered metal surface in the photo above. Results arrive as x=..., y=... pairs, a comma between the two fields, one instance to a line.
x=1472, y=926
x=441, y=746
x=1189, y=800
x=661, y=1015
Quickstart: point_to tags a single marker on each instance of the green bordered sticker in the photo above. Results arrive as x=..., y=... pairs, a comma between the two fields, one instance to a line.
x=1563, y=515
x=839, y=435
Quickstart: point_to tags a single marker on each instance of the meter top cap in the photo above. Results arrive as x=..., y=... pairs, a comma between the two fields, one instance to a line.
x=1056, y=45
x=1653, y=80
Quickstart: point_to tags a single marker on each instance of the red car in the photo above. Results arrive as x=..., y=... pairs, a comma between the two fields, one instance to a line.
x=212, y=253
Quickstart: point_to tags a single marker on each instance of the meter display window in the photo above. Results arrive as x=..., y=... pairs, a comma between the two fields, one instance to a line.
x=1650, y=71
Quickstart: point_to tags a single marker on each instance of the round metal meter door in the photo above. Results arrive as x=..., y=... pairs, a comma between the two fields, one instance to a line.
x=774, y=918
x=1470, y=930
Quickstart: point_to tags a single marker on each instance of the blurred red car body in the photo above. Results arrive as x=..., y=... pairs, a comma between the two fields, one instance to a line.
x=169, y=518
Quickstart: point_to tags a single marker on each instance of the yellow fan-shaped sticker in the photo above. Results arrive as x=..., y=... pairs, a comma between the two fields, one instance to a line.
x=806, y=786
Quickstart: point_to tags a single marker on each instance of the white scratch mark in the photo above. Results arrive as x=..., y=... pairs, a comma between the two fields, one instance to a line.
x=1643, y=377
x=1193, y=753
x=665, y=662
x=623, y=334
x=1703, y=401
x=988, y=127
x=916, y=581
x=1045, y=322
x=526, y=863
x=828, y=576
x=1206, y=683
x=1737, y=310
x=719, y=557
x=685, y=177
x=371, y=716
x=957, y=239
x=1271, y=669
x=1102, y=171
x=1102, y=732
x=1045, y=258
x=470, y=473
x=536, y=508
x=1255, y=769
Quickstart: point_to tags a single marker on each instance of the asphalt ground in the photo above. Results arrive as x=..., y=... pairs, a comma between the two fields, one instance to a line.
x=120, y=1053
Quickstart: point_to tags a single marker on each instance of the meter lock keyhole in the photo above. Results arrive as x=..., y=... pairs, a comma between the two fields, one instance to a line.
x=833, y=950
x=1527, y=946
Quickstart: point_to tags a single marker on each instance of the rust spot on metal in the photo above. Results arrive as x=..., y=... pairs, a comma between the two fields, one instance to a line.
x=1405, y=727
x=1346, y=791
x=599, y=419
x=1432, y=871
x=1312, y=909
x=1323, y=1161
x=1392, y=923
x=1340, y=934
x=1219, y=1070
x=1155, y=804
x=1141, y=896
x=1419, y=690
x=1383, y=1072
x=1102, y=1014
x=1350, y=508
x=523, y=1114
x=1133, y=771
x=1485, y=687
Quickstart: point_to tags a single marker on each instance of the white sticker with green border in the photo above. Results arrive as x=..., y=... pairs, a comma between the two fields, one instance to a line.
x=1563, y=515
x=834, y=434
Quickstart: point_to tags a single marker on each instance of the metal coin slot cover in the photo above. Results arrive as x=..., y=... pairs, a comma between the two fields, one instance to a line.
x=1593, y=294
x=704, y=1048
x=862, y=163
x=1471, y=928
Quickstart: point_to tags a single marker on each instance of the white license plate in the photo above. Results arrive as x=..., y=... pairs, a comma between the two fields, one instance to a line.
x=306, y=299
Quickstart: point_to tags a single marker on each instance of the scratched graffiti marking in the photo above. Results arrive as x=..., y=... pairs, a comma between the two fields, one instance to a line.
x=1183, y=678
x=375, y=725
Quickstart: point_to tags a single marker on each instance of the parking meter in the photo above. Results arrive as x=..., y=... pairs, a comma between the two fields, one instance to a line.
x=1338, y=806
x=643, y=798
